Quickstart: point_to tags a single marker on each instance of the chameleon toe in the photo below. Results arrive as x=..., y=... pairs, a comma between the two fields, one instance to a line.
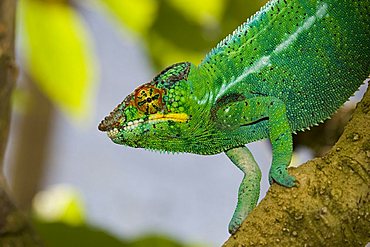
x=282, y=177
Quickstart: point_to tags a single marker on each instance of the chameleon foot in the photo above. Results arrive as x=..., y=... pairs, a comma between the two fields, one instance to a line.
x=235, y=223
x=281, y=176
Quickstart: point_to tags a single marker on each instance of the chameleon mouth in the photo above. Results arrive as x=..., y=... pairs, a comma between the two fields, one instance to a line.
x=154, y=118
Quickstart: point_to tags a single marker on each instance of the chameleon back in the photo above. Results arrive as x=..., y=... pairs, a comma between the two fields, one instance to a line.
x=313, y=55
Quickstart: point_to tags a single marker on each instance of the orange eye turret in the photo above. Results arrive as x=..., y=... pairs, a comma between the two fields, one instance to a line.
x=148, y=99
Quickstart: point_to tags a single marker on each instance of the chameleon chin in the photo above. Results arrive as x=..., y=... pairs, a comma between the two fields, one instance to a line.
x=287, y=68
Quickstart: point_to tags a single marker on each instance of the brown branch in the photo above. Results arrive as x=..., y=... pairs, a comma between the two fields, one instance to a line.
x=331, y=205
x=35, y=123
x=7, y=69
x=14, y=228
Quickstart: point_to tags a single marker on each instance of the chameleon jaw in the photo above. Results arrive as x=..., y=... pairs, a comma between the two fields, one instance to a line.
x=154, y=118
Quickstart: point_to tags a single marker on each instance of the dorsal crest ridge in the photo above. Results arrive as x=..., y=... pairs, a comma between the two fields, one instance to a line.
x=239, y=30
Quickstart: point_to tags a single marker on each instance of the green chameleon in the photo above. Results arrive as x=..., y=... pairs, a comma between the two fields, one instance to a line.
x=288, y=67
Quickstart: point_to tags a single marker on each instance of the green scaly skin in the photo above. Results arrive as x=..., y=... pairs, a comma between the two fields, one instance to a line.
x=289, y=67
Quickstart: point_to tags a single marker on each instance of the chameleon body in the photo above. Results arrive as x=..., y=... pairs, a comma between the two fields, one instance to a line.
x=288, y=67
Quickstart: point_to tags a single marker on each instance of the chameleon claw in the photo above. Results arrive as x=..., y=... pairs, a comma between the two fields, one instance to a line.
x=234, y=226
x=281, y=176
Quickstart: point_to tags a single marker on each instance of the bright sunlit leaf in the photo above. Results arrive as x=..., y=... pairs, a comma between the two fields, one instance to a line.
x=59, y=203
x=57, y=52
x=203, y=12
x=137, y=16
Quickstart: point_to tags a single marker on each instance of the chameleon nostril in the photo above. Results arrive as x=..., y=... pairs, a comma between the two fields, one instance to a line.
x=113, y=120
x=102, y=126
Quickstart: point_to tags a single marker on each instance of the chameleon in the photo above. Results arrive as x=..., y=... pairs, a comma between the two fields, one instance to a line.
x=287, y=68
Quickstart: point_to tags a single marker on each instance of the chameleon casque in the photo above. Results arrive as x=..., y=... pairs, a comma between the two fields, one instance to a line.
x=288, y=67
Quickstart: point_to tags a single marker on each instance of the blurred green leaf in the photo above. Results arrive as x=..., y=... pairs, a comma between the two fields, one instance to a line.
x=138, y=16
x=155, y=241
x=238, y=11
x=57, y=53
x=62, y=235
x=174, y=36
x=181, y=30
x=173, y=26
x=203, y=12
x=59, y=218
x=172, y=52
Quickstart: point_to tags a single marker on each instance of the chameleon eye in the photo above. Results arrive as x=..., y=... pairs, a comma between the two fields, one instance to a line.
x=148, y=99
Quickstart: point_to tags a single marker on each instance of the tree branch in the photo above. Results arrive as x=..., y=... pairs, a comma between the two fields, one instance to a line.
x=14, y=228
x=330, y=206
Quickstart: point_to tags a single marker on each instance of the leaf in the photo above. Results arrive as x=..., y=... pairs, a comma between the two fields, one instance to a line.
x=59, y=234
x=57, y=53
x=202, y=12
x=59, y=203
x=138, y=16
x=173, y=53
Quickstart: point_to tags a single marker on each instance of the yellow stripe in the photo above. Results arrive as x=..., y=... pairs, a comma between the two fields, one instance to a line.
x=178, y=117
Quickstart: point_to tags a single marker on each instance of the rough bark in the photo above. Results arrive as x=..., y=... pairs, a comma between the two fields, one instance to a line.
x=330, y=206
x=14, y=228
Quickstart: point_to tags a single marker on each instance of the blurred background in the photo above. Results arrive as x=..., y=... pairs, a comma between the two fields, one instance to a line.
x=78, y=60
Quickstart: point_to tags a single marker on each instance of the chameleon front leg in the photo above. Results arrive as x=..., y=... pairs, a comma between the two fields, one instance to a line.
x=234, y=114
x=281, y=139
x=249, y=189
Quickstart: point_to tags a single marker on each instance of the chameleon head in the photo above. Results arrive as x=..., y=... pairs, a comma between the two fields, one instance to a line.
x=155, y=115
